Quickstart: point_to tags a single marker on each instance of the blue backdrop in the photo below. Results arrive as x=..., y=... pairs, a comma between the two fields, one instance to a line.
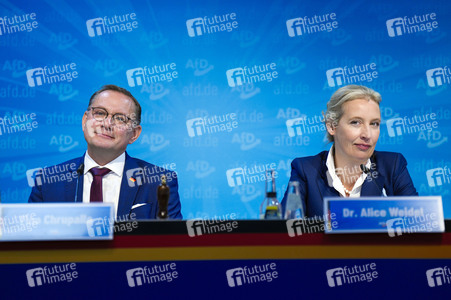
x=227, y=89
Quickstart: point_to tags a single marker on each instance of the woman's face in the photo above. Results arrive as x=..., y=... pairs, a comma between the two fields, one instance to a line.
x=357, y=132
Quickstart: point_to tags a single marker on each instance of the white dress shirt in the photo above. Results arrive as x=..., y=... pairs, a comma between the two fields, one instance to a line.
x=111, y=182
x=336, y=181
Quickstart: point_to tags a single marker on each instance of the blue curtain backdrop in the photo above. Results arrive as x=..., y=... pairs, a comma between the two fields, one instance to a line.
x=260, y=72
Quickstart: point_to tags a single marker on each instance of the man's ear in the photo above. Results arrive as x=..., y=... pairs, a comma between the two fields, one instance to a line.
x=136, y=133
x=84, y=120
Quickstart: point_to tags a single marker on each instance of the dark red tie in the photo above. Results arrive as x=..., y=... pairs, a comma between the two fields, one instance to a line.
x=96, y=186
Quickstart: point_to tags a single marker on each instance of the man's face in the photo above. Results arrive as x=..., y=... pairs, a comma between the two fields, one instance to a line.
x=110, y=134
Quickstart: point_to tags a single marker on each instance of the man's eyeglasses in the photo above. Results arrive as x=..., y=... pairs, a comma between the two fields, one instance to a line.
x=100, y=114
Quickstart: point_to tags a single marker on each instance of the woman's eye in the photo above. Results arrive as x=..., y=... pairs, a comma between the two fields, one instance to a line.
x=376, y=124
x=355, y=122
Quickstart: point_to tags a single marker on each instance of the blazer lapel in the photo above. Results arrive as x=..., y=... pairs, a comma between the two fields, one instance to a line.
x=325, y=186
x=128, y=191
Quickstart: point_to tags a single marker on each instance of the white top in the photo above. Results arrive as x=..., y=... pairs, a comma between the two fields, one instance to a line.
x=111, y=182
x=335, y=181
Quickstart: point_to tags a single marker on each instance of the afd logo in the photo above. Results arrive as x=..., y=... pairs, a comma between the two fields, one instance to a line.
x=395, y=227
x=235, y=277
x=35, y=177
x=335, y=277
x=395, y=127
x=95, y=27
x=135, y=77
x=98, y=227
x=235, y=77
x=195, y=27
x=135, y=177
x=235, y=177
x=35, y=277
x=438, y=276
x=195, y=127
x=135, y=277
x=194, y=227
x=438, y=76
x=438, y=176
x=35, y=77
x=294, y=126
x=335, y=77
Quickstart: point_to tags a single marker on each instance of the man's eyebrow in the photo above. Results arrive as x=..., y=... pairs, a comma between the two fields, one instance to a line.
x=125, y=114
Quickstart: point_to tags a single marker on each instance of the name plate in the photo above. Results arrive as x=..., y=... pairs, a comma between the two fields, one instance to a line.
x=392, y=215
x=56, y=221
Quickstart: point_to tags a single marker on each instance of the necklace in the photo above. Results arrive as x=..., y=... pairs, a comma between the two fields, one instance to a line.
x=347, y=191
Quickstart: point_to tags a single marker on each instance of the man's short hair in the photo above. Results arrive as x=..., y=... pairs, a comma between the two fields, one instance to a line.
x=112, y=87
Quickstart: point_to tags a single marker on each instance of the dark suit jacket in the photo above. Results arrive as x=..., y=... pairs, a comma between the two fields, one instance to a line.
x=391, y=175
x=141, y=191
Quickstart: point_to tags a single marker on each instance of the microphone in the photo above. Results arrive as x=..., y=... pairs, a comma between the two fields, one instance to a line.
x=80, y=170
x=368, y=173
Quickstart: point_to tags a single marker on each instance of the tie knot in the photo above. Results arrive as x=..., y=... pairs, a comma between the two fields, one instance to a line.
x=99, y=171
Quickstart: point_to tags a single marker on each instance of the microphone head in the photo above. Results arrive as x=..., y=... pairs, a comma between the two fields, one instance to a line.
x=364, y=168
x=80, y=169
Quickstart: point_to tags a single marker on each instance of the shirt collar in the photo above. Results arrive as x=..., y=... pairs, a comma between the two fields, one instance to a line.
x=336, y=182
x=116, y=165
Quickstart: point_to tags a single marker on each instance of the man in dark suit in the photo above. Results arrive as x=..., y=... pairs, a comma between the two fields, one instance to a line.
x=106, y=173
